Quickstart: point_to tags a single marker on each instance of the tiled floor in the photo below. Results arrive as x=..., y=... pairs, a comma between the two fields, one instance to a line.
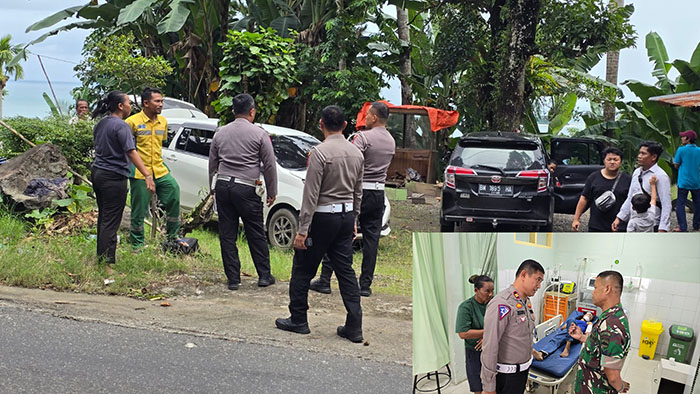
x=638, y=372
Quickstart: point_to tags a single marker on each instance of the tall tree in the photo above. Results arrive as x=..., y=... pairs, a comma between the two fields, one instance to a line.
x=7, y=52
x=521, y=45
x=612, y=66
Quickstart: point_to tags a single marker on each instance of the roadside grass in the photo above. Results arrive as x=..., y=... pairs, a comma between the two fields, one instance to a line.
x=68, y=263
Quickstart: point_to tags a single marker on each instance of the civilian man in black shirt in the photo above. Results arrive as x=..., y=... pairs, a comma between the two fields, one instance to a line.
x=598, y=183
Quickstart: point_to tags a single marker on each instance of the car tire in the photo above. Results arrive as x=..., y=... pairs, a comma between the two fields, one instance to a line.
x=282, y=228
x=447, y=227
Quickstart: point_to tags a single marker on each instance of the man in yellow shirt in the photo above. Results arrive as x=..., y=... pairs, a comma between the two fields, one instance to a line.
x=150, y=130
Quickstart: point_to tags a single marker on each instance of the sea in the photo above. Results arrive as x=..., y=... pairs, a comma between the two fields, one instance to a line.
x=24, y=98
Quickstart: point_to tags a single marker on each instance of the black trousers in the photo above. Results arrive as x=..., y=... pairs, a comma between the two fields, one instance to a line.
x=235, y=201
x=371, y=212
x=110, y=190
x=329, y=234
x=511, y=383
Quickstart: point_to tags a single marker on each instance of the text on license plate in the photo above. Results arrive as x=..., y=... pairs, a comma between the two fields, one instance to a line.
x=504, y=190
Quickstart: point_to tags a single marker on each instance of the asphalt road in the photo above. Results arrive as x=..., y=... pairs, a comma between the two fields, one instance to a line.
x=40, y=353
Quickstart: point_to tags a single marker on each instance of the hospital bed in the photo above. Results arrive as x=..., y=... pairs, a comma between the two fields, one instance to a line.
x=554, y=370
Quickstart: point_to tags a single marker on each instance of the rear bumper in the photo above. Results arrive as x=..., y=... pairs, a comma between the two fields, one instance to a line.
x=535, y=210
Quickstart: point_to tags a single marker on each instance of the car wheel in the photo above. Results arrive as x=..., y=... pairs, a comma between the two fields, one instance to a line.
x=447, y=227
x=282, y=228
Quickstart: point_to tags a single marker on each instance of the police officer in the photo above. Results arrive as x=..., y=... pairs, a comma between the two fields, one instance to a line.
x=235, y=155
x=509, y=325
x=378, y=147
x=330, y=204
x=150, y=129
x=605, y=348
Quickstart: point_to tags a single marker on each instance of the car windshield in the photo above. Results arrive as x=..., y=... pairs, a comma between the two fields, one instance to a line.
x=292, y=151
x=503, y=159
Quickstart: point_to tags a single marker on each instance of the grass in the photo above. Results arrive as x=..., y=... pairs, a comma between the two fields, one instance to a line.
x=67, y=263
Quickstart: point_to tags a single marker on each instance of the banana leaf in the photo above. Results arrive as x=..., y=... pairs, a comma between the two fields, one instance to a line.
x=176, y=18
x=55, y=18
x=133, y=11
x=658, y=55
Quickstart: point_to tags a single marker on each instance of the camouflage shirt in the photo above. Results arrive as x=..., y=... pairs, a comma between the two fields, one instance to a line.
x=606, y=347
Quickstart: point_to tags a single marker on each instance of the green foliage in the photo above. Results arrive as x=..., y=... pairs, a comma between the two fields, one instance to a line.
x=650, y=120
x=261, y=64
x=41, y=219
x=74, y=140
x=325, y=82
x=573, y=29
x=471, y=44
x=78, y=200
x=115, y=62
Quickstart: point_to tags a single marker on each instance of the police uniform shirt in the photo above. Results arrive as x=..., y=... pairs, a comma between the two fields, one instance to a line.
x=509, y=325
x=237, y=150
x=149, y=136
x=334, y=175
x=378, y=148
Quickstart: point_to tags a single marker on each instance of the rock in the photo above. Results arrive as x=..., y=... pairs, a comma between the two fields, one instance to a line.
x=43, y=161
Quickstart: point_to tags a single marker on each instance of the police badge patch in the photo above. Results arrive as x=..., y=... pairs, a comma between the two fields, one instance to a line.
x=503, y=311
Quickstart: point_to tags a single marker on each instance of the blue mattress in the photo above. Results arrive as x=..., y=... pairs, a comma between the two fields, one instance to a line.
x=560, y=366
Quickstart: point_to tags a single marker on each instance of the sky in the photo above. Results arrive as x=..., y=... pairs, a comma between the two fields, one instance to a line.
x=674, y=20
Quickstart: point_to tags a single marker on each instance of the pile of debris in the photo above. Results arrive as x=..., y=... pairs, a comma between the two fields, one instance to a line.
x=35, y=178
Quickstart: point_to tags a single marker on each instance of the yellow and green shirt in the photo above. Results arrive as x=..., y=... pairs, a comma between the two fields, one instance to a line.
x=149, y=137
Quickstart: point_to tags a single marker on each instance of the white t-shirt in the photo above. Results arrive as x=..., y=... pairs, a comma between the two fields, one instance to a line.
x=642, y=222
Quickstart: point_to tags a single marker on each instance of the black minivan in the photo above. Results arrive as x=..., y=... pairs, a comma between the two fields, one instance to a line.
x=501, y=178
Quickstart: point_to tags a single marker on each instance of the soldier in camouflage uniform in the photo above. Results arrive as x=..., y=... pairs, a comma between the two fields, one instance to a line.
x=605, y=348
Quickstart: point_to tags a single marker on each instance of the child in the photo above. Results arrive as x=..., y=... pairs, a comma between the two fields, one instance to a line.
x=643, y=211
x=585, y=322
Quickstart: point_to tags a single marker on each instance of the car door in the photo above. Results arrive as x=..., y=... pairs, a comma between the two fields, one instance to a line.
x=188, y=161
x=576, y=159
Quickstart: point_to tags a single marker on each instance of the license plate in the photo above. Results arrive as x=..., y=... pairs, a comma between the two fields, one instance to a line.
x=496, y=190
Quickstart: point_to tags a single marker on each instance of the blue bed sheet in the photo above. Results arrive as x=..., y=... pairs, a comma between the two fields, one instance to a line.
x=554, y=364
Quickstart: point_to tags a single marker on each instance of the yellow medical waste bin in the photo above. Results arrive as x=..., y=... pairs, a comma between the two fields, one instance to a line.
x=651, y=329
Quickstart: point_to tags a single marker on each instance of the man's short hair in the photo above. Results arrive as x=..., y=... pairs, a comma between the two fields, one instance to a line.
x=147, y=94
x=242, y=104
x=381, y=110
x=614, y=277
x=653, y=148
x=611, y=150
x=530, y=266
x=78, y=101
x=333, y=118
x=641, y=202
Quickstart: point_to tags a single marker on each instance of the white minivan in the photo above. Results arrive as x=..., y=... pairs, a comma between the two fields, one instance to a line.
x=187, y=156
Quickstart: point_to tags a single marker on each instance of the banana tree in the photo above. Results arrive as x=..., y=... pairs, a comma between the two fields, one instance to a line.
x=186, y=32
x=650, y=120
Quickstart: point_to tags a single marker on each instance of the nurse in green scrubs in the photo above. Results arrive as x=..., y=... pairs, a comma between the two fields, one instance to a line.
x=470, y=327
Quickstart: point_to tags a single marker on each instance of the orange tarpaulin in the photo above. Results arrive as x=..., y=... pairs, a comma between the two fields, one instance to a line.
x=439, y=118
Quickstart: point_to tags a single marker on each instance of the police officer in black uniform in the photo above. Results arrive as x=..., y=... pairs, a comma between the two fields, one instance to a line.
x=330, y=204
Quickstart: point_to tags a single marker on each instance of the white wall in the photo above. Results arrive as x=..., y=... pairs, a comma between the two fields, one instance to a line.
x=661, y=272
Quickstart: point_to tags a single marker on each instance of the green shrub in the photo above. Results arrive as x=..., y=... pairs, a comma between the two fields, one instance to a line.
x=75, y=141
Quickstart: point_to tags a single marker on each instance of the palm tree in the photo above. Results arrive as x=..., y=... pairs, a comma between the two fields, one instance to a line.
x=612, y=65
x=7, y=52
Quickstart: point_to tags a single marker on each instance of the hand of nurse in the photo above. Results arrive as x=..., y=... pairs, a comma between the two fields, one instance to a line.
x=478, y=344
x=625, y=387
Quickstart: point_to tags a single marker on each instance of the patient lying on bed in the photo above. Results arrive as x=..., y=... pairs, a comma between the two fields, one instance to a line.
x=553, y=341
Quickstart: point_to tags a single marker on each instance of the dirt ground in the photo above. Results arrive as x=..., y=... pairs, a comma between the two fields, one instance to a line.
x=426, y=218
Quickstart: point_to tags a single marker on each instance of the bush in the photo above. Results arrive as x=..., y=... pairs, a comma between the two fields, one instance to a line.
x=75, y=141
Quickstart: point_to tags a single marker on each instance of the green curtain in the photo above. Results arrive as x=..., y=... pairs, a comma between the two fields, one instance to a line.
x=430, y=343
x=442, y=265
